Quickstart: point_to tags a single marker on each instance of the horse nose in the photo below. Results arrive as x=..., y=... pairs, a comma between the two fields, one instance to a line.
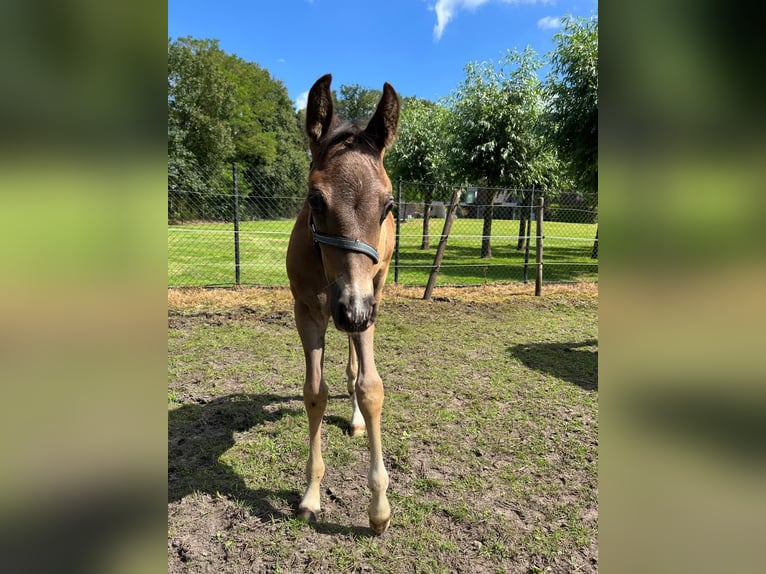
x=355, y=313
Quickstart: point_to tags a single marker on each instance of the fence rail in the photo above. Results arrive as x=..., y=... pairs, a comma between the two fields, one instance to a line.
x=222, y=234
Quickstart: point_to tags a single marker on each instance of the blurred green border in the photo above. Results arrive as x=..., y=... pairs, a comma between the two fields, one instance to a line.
x=681, y=204
x=83, y=286
x=681, y=281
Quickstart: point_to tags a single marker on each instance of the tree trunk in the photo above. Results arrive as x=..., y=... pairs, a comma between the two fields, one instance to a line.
x=594, y=253
x=523, y=230
x=427, y=200
x=486, y=198
x=525, y=220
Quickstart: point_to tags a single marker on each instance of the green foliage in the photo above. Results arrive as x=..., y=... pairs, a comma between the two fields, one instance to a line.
x=496, y=112
x=269, y=141
x=200, y=102
x=572, y=89
x=222, y=108
x=356, y=102
x=420, y=151
x=183, y=171
x=497, y=138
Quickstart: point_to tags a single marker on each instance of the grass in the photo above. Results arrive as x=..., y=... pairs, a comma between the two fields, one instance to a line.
x=490, y=435
x=203, y=253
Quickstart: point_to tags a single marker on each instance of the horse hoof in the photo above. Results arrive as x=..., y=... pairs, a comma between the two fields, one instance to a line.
x=357, y=430
x=381, y=527
x=306, y=515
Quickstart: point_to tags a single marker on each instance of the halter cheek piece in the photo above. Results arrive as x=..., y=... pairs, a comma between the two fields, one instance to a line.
x=343, y=243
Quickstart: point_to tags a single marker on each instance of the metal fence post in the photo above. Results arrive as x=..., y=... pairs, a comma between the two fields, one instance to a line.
x=398, y=229
x=236, y=224
x=539, y=249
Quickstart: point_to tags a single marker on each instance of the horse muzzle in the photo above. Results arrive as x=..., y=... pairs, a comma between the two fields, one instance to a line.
x=351, y=312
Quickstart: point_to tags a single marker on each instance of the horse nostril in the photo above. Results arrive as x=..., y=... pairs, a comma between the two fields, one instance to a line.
x=356, y=315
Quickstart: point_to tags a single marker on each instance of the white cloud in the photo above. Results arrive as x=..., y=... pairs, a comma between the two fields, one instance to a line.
x=447, y=9
x=302, y=100
x=549, y=23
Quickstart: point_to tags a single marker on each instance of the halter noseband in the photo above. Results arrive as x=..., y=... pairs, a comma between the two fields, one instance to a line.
x=343, y=243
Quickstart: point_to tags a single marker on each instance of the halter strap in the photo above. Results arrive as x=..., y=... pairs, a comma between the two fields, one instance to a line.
x=343, y=242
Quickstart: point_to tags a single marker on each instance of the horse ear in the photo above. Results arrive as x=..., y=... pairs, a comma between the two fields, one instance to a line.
x=385, y=122
x=319, y=112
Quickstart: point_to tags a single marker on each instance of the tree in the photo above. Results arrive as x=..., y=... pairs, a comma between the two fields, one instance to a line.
x=356, y=102
x=419, y=154
x=200, y=101
x=222, y=108
x=256, y=103
x=544, y=173
x=497, y=140
x=200, y=104
x=269, y=144
x=184, y=177
x=572, y=87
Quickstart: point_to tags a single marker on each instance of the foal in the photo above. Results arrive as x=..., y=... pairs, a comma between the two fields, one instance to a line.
x=337, y=260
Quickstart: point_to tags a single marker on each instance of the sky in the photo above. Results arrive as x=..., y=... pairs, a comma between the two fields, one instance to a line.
x=421, y=47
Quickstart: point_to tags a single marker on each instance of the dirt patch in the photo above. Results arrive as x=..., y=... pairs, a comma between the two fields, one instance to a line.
x=490, y=436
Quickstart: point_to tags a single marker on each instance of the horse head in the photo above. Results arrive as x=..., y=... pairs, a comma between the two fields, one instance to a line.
x=350, y=200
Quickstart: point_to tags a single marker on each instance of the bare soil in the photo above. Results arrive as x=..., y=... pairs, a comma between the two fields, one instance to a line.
x=490, y=435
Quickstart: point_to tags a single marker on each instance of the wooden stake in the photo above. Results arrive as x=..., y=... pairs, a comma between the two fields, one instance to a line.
x=539, y=249
x=442, y=243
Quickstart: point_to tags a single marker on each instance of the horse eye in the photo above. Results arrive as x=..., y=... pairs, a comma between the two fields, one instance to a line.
x=316, y=202
x=387, y=210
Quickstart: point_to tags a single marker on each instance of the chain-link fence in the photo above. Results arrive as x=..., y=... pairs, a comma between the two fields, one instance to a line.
x=493, y=236
x=233, y=228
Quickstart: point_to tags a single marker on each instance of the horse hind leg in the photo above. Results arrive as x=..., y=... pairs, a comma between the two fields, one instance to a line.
x=357, y=426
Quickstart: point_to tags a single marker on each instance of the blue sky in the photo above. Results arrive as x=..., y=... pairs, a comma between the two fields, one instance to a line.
x=419, y=46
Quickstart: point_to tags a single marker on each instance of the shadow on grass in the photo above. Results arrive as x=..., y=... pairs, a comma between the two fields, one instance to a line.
x=571, y=362
x=339, y=422
x=198, y=434
x=330, y=529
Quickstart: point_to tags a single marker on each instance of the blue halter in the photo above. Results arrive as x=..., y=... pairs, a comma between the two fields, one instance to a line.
x=343, y=243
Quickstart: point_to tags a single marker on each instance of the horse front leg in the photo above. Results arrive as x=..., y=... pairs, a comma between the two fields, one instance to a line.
x=357, y=426
x=312, y=332
x=369, y=396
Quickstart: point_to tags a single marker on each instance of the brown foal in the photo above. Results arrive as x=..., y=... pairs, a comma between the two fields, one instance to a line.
x=337, y=260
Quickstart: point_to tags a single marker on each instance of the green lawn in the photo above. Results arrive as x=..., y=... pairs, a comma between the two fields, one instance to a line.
x=203, y=253
x=490, y=438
